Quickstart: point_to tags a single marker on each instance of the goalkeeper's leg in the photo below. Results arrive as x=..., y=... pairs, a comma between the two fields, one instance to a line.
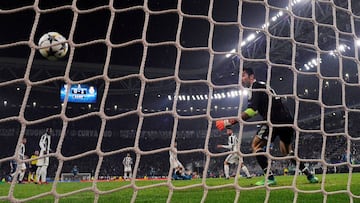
x=311, y=178
x=286, y=149
x=257, y=146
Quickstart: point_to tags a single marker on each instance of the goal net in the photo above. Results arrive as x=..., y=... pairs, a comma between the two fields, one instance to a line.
x=149, y=78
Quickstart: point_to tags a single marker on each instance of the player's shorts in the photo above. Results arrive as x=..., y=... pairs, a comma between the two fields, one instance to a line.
x=22, y=166
x=285, y=134
x=175, y=164
x=13, y=166
x=234, y=159
x=32, y=168
x=43, y=161
x=127, y=169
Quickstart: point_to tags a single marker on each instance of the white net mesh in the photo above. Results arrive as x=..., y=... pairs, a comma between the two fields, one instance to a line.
x=163, y=72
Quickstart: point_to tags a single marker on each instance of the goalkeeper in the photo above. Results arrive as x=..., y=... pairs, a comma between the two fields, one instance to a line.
x=258, y=104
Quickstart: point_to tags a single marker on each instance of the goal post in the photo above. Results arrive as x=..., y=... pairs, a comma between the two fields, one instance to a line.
x=150, y=78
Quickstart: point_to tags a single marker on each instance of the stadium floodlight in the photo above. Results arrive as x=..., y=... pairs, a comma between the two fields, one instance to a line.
x=245, y=92
x=341, y=48
x=231, y=53
x=250, y=37
x=314, y=61
x=358, y=42
x=233, y=94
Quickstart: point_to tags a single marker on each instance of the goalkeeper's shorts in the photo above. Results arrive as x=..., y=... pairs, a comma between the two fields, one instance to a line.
x=285, y=134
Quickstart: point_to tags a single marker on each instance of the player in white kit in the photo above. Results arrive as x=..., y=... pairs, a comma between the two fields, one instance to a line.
x=233, y=158
x=127, y=162
x=43, y=163
x=22, y=166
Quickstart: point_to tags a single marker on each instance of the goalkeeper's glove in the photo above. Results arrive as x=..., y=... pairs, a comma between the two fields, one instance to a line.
x=222, y=124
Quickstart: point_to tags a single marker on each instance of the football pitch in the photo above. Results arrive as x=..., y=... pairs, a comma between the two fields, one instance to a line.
x=334, y=188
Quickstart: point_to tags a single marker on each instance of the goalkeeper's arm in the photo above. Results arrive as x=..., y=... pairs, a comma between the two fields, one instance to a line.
x=245, y=115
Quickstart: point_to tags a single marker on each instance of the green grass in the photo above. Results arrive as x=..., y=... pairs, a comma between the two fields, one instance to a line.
x=335, y=185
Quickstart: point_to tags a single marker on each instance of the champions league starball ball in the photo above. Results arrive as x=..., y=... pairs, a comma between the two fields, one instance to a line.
x=53, y=46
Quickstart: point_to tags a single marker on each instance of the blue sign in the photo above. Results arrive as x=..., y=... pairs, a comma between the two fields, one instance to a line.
x=80, y=93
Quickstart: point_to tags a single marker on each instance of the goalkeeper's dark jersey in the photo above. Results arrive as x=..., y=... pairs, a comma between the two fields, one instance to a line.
x=259, y=101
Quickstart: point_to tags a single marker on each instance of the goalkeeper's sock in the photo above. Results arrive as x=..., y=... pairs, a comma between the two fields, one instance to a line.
x=263, y=162
x=302, y=167
x=271, y=175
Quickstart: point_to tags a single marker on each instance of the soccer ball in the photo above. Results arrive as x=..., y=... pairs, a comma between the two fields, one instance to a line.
x=56, y=51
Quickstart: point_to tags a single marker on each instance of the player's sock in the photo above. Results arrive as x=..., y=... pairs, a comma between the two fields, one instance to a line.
x=43, y=174
x=38, y=171
x=246, y=171
x=226, y=170
x=21, y=176
x=12, y=174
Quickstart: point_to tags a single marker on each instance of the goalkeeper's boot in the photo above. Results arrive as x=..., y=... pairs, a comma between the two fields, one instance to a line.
x=312, y=179
x=268, y=182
